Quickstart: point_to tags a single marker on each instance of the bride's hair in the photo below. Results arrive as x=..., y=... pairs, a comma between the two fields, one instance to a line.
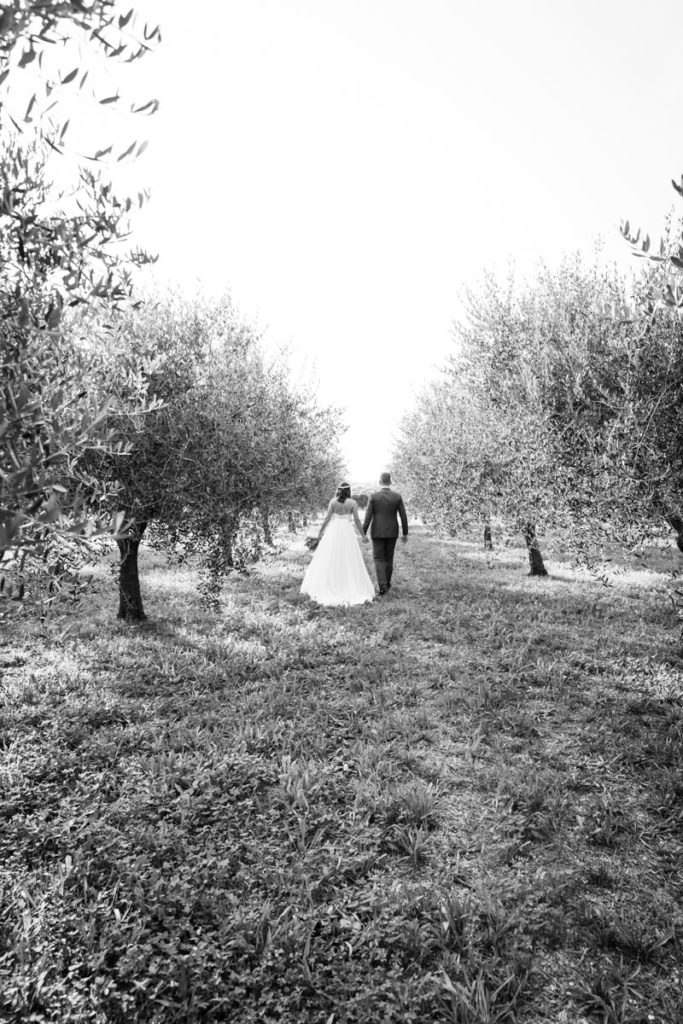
x=343, y=491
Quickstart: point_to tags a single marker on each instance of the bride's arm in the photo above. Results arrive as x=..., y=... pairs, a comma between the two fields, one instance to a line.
x=330, y=513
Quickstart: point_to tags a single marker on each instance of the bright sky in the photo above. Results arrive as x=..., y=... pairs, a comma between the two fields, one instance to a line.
x=344, y=168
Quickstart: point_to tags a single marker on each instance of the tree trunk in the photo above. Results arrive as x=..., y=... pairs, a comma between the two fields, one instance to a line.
x=228, y=538
x=488, y=542
x=676, y=523
x=267, y=531
x=536, y=566
x=130, y=598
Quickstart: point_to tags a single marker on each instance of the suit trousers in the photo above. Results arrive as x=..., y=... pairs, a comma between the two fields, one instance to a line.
x=383, y=555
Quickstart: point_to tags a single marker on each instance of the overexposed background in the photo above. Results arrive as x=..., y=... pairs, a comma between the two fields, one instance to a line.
x=345, y=168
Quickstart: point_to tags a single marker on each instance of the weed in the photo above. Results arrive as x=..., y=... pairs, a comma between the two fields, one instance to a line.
x=612, y=996
x=483, y=995
x=630, y=935
x=297, y=783
x=457, y=923
x=496, y=925
x=408, y=840
x=474, y=744
x=539, y=803
x=601, y=876
x=605, y=822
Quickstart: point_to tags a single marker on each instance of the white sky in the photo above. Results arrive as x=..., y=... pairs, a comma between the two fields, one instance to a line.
x=344, y=168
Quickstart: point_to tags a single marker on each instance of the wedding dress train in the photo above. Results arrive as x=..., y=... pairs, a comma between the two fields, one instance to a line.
x=337, y=573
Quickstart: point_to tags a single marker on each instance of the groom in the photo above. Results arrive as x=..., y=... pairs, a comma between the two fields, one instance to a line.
x=383, y=508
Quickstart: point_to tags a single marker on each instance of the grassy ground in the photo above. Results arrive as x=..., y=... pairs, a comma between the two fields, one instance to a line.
x=461, y=804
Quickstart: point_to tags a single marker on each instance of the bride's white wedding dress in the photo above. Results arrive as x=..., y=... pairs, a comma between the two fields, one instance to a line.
x=337, y=573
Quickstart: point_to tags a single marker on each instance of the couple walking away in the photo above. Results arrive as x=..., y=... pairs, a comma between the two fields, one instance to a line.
x=337, y=573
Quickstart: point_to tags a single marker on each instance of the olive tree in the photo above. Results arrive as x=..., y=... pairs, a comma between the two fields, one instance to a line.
x=560, y=408
x=479, y=444
x=230, y=438
x=60, y=249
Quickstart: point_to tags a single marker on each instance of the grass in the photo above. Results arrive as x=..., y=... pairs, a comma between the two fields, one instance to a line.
x=460, y=804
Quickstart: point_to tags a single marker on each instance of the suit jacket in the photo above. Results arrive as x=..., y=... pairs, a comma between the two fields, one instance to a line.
x=382, y=511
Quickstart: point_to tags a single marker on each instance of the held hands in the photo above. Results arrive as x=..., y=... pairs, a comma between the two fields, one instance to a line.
x=365, y=539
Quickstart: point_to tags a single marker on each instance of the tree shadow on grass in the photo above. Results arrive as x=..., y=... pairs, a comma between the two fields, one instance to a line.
x=440, y=596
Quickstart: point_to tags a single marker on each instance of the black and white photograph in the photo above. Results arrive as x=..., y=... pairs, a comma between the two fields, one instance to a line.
x=341, y=512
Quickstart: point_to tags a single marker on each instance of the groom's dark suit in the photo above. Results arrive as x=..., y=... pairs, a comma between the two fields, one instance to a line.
x=382, y=511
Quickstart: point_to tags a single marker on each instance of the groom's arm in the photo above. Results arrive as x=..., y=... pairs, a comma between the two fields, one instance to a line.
x=369, y=513
x=404, y=517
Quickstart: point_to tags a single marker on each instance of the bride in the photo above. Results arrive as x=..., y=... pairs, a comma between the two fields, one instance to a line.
x=337, y=573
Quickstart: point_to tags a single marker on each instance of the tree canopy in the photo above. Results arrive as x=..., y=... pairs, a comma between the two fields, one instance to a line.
x=60, y=247
x=228, y=436
x=560, y=408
